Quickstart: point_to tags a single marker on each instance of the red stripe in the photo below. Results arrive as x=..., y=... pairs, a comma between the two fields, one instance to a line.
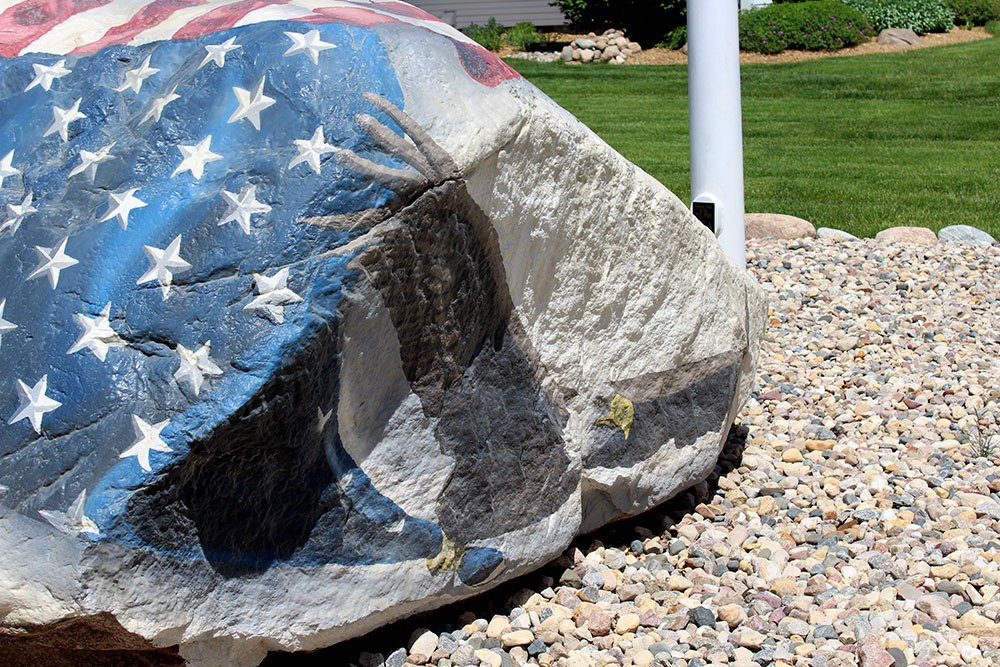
x=359, y=17
x=22, y=24
x=223, y=18
x=148, y=17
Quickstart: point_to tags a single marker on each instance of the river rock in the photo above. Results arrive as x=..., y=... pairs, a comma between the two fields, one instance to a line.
x=303, y=333
x=777, y=226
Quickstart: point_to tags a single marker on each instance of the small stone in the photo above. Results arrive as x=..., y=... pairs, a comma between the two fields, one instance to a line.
x=599, y=623
x=791, y=455
x=751, y=639
x=701, y=616
x=425, y=643
x=489, y=658
x=733, y=615
x=517, y=638
x=627, y=623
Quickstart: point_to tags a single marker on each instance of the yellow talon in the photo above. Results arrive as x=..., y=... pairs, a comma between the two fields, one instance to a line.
x=448, y=558
x=621, y=416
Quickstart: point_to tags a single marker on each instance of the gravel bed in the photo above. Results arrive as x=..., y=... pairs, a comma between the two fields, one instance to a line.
x=858, y=527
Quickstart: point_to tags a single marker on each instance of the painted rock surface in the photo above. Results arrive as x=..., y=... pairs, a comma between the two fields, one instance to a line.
x=315, y=314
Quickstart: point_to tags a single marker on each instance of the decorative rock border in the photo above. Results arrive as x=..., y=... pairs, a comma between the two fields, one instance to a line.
x=611, y=47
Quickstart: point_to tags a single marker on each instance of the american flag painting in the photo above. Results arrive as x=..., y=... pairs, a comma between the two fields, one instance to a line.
x=186, y=190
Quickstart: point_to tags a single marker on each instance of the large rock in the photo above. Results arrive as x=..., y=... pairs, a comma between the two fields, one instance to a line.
x=965, y=234
x=907, y=234
x=777, y=226
x=898, y=37
x=318, y=315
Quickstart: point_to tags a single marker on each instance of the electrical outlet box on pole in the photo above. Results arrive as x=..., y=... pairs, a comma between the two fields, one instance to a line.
x=716, y=121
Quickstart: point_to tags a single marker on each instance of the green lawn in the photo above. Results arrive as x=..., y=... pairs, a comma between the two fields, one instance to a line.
x=859, y=143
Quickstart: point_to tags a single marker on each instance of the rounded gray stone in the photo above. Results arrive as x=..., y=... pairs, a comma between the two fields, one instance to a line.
x=965, y=234
x=835, y=234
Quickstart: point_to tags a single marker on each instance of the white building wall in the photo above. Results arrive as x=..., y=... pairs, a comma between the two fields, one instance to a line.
x=461, y=13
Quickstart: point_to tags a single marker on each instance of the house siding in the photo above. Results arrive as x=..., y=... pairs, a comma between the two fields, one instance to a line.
x=506, y=12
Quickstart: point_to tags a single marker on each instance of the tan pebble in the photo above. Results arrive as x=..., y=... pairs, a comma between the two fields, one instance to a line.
x=498, y=625
x=488, y=658
x=642, y=658
x=678, y=583
x=784, y=586
x=791, y=455
x=820, y=445
x=517, y=638
x=627, y=623
x=751, y=639
x=732, y=614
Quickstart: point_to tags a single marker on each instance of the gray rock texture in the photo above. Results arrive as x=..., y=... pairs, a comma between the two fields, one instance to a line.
x=898, y=37
x=835, y=234
x=965, y=234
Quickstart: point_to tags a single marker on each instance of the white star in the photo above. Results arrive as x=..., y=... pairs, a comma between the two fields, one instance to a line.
x=45, y=75
x=310, y=150
x=135, y=77
x=96, y=334
x=5, y=326
x=273, y=295
x=163, y=264
x=89, y=161
x=54, y=261
x=195, y=366
x=309, y=44
x=157, y=108
x=217, y=53
x=242, y=206
x=322, y=418
x=121, y=204
x=34, y=403
x=62, y=118
x=73, y=521
x=250, y=106
x=6, y=169
x=18, y=212
x=195, y=158
x=147, y=438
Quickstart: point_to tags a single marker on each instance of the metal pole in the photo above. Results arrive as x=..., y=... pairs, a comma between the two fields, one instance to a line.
x=716, y=121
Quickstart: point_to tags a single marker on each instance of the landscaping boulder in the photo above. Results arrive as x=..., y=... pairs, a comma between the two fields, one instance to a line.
x=317, y=315
x=898, y=37
x=777, y=226
x=907, y=235
x=835, y=234
x=965, y=234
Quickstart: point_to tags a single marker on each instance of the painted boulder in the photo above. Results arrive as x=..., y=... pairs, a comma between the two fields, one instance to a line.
x=315, y=314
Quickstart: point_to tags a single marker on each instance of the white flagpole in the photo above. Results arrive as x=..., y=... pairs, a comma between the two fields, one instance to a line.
x=716, y=124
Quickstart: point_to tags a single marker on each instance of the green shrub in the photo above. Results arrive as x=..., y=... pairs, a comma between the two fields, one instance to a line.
x=993, y=27
x=521, y=34
x=975, y=12
x=494, y=36
x=490, y=36
x=675, y=39
x=644, y=21
x=815, y=25
x=920, y=16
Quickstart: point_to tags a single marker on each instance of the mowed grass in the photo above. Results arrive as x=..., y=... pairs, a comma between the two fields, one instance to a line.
x=859, y=143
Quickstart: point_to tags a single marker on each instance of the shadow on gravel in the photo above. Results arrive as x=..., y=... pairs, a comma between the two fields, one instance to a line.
x=500, y=600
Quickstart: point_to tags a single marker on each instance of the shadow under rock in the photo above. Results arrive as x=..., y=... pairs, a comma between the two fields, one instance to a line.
x=501, y=600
